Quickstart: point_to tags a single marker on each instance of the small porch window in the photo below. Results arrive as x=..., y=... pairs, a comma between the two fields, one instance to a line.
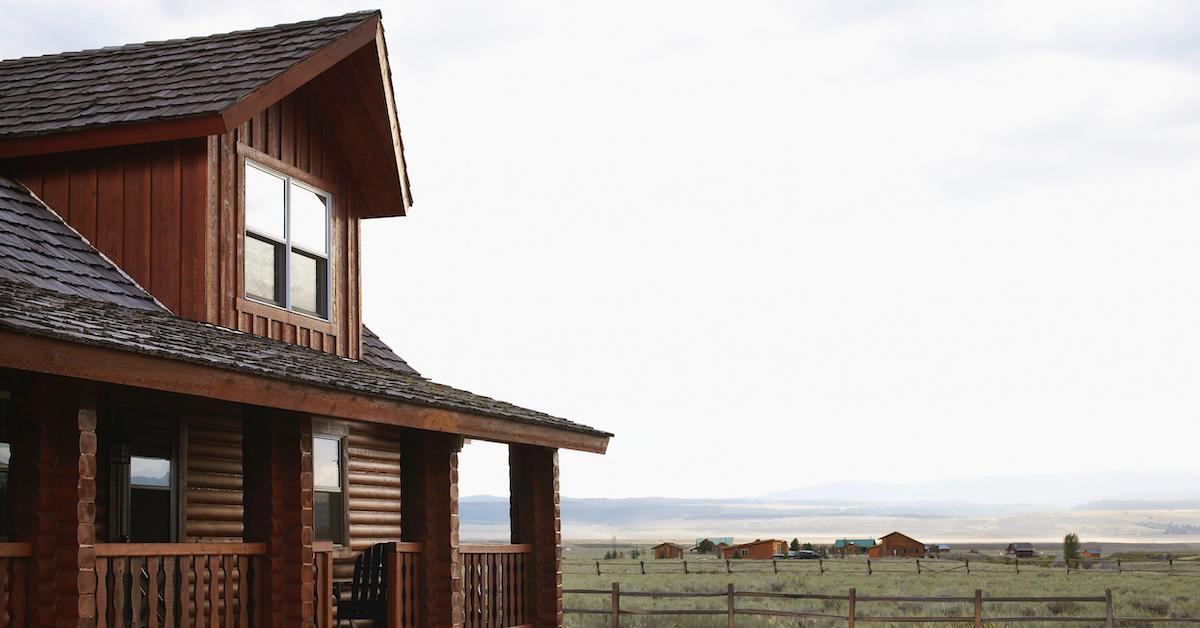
x=328, y=504
x=286, y=248
x=5, y=454
x=144, y=481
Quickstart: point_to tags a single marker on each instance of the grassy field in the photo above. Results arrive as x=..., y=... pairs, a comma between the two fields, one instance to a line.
x=1135, y=594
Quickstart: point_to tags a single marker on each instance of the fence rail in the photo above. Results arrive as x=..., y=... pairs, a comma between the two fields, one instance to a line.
x=852, y=600
x=920, y=566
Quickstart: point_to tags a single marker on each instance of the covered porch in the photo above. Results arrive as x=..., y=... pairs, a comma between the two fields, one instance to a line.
x=133, y=507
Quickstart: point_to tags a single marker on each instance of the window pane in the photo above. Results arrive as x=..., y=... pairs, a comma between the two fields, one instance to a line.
x=5, y=453
x=308, y=284
x=327, y=516
x=149, y=516
x=149, y=472
x=308, y=220
x=327, y=463
x=262, y=269
x=264, y=203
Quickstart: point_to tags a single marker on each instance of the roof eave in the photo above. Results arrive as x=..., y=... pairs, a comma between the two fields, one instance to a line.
x=59, y=357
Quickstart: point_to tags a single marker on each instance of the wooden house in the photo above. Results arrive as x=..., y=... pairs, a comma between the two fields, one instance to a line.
x=668, y=550
x=1020, y=550
x=196, y=427
x=759, y=549
x=1091, y=552
x=897, y=545
x=852, y=547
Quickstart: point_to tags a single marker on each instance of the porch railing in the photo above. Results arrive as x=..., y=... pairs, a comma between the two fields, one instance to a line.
x=178, y=584
x=495, y=585
x=14, y=561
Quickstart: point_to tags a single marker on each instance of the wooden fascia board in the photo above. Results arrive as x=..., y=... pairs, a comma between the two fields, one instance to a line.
x=57, y=357
x=385, y=71
x=118, y=135
x=297, y=75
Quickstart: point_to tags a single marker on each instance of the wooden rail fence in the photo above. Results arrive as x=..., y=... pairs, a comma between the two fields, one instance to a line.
x=495, y=591
x=920, y=566
x=178, y=584
x=854, y=615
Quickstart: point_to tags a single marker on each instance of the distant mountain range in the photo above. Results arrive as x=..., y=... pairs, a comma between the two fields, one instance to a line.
x=1128, y=506
x=1063, y=490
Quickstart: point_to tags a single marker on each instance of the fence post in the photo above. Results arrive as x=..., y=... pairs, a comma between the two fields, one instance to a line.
x=1067, y=566
x=868, y=566
x=729, y=596
x=616, y=606
x=643, y=567
x=1171, y=566
x=1017, y=562
x=728, y=569
x=967, y=562
x=685, y=568
x=1118, y=566
x=775, y=565
x=918, y=566
x=1110, y=620
x=978, y=608
x=820, y=566
x=851, y=612
x=597, y=568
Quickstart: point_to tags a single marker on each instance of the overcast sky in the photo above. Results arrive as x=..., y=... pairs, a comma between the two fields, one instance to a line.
x=771, y=244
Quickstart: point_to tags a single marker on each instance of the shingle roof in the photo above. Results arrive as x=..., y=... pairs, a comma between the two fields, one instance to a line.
x=39, y=249
x=159, y=80
x=376, y=351
x=28, y=309
x=840, y=543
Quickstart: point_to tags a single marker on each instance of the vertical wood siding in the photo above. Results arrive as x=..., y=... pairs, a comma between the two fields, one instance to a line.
x=291, y=132
x=167, y=213
x=142, y=206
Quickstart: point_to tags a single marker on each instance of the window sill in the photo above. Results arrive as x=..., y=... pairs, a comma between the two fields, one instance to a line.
x=276, y=313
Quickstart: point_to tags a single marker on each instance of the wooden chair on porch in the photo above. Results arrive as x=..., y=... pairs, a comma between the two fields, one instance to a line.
x=368, y=589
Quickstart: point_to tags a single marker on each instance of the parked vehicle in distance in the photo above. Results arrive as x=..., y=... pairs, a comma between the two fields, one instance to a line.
x=805, y=554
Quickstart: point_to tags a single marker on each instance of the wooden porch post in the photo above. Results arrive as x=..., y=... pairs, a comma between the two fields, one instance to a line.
x=278, y=500
x=53, y=484
x=429, y=515
x=534, y=517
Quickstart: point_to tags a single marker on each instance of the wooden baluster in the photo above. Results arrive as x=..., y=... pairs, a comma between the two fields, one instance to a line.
x=152, y=589
x=186, y=586
x=17, y=612
x=135, y=591
x=244, y=592
x=169, y=591
x=5, y=583
x=214, y=575
x=198, y=590
x=227, y=584
x=118, y=565
x=101, y=593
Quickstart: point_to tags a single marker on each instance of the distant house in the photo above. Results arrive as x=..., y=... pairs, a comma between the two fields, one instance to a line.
x=761, y=549
x=717, y=542
x=667, y=550
x=1020, y=550
x=1090, y=553
x=852, y=547
x=938, y=550
x=897, y=545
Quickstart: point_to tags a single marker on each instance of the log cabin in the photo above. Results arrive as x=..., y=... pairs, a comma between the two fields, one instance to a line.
x=196, y=428
x=895, y=545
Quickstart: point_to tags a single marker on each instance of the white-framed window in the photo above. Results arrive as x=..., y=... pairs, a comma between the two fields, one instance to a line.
x=328, y=502
x=286, y=249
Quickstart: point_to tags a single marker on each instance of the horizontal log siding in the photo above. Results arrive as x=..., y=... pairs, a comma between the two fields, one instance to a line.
x=373, y=490
x=143, y=206
x=291, y=132
x=213, y=489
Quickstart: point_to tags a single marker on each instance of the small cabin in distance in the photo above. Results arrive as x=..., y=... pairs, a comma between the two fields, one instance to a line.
x=758, y=549
x=852, y=547
x=667, y=550
x=897, y=545
x=1020, y=550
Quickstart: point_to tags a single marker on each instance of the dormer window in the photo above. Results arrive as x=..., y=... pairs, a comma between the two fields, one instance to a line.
x=287, y=242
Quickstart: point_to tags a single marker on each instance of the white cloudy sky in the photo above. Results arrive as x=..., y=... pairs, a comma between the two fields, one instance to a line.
x=771, y=244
